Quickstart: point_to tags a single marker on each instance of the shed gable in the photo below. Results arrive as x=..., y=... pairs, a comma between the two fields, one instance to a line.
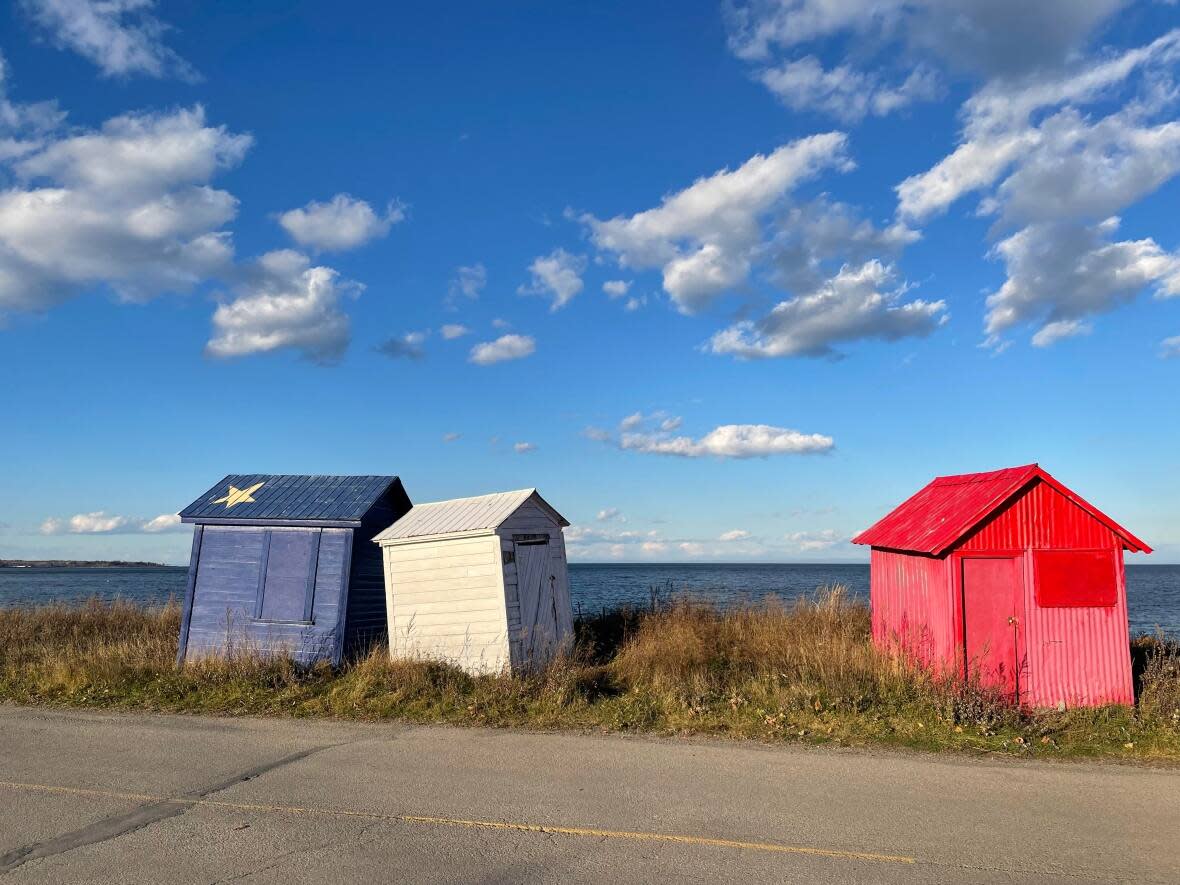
x=1039, y=517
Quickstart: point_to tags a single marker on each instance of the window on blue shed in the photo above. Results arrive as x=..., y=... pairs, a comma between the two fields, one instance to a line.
x=286, y=589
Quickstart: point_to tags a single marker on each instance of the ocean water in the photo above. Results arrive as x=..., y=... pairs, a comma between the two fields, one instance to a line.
x=1153, y=591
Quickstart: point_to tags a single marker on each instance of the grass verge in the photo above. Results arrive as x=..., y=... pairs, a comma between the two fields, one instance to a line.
x=805, y=672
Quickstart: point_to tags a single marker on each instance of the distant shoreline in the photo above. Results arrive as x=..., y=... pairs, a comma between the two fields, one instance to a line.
x=78, y=563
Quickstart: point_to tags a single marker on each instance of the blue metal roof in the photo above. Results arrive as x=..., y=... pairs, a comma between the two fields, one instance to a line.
x=280, y=499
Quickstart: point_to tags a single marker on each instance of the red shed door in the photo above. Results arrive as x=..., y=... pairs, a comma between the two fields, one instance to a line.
x=992, y=593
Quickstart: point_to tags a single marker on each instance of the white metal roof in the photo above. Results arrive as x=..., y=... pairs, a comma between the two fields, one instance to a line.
x=461, y=515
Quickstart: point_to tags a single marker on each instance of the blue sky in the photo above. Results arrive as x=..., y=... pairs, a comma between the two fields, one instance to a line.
x=726, y=285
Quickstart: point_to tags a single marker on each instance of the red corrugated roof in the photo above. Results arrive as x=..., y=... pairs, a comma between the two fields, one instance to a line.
x=948, y=508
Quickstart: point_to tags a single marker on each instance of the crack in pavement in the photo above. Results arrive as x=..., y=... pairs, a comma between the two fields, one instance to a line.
x=141, y=816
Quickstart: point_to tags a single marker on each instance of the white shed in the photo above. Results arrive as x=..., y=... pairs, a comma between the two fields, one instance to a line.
x=478, y=582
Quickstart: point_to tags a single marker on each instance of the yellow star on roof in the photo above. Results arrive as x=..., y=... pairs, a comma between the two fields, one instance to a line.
x=239, y=496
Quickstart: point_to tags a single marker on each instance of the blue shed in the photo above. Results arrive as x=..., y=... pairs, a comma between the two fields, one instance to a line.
x=275, y=567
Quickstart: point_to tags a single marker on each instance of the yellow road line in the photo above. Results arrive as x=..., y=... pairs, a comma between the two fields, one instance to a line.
x=585, y=832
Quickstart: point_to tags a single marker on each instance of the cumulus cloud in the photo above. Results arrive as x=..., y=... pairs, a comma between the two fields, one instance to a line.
x=616, y=288
x=342, y=223
x=557, y=276
x=523, y=448
x=468, y=282
x=128, y=206
x=451, y=331
x=707, y=237
x=859, y=302
x=1060, y=176
x=729, y=441
x=407, y=346
x=609, y=514
x=1170, y=347
x=121, y=37
x=1058, y=274
x=284, y=303
x=734, y=535
x=100, y=522
x=1121, y=155
x=504, y=348
x=165, y=522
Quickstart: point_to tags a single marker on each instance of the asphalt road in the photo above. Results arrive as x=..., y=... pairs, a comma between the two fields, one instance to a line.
x=120, y=798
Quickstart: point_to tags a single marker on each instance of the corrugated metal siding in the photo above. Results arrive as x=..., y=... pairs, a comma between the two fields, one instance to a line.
x=1079, y=656
x=291, y=497
x=1041, y=517
x=913, y=606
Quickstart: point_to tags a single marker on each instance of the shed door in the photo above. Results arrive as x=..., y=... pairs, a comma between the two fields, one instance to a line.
x=538, y=617
x=992, y=594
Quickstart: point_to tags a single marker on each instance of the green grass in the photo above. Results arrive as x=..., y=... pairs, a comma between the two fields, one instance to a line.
x=806, y=672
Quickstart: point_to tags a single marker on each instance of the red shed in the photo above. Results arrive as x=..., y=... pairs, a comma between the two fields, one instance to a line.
x=1012, y=574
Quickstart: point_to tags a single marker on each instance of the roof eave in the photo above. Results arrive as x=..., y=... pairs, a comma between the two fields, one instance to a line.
x=285, y=523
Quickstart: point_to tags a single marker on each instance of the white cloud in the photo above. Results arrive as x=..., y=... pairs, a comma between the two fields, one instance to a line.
x=121, y=37
x=670, y=424
x=100, y=522
x=165, y=522
x=451, y=331
x=506, y=347
x=498, y=323
x=631, y=421
x=1060, y=273
x=616, y=288
x=998, y=133
x=1051, y=333
x=407, y=346
x=729, y=441
x=813, y=541
x=468, y=282
x=1170, y=347
x=342, y=223
x=610, y=514
x=284, y=303
x=523, y=448
x=991, y=37
x=855, y=304
x=24, y=127
x=844, y=92
x=706, y=238
x=128, y=206
x=598, y=434
x=734, y=535
x=451, y=437
x=558, y=276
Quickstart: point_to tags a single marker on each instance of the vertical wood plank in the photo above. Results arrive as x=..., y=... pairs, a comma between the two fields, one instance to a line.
x=189, y=591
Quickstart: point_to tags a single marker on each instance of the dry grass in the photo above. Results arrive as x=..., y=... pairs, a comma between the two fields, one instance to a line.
x=802, y=672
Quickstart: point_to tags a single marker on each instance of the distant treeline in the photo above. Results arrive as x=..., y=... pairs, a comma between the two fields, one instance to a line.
x=75, y=563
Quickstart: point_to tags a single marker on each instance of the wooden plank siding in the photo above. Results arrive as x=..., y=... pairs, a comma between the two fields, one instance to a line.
x=445, y=601
x=365, y=621
x=531, y=519
x=222, y=620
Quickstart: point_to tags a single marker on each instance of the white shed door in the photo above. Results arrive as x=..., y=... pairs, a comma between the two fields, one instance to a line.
x=538, y=618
